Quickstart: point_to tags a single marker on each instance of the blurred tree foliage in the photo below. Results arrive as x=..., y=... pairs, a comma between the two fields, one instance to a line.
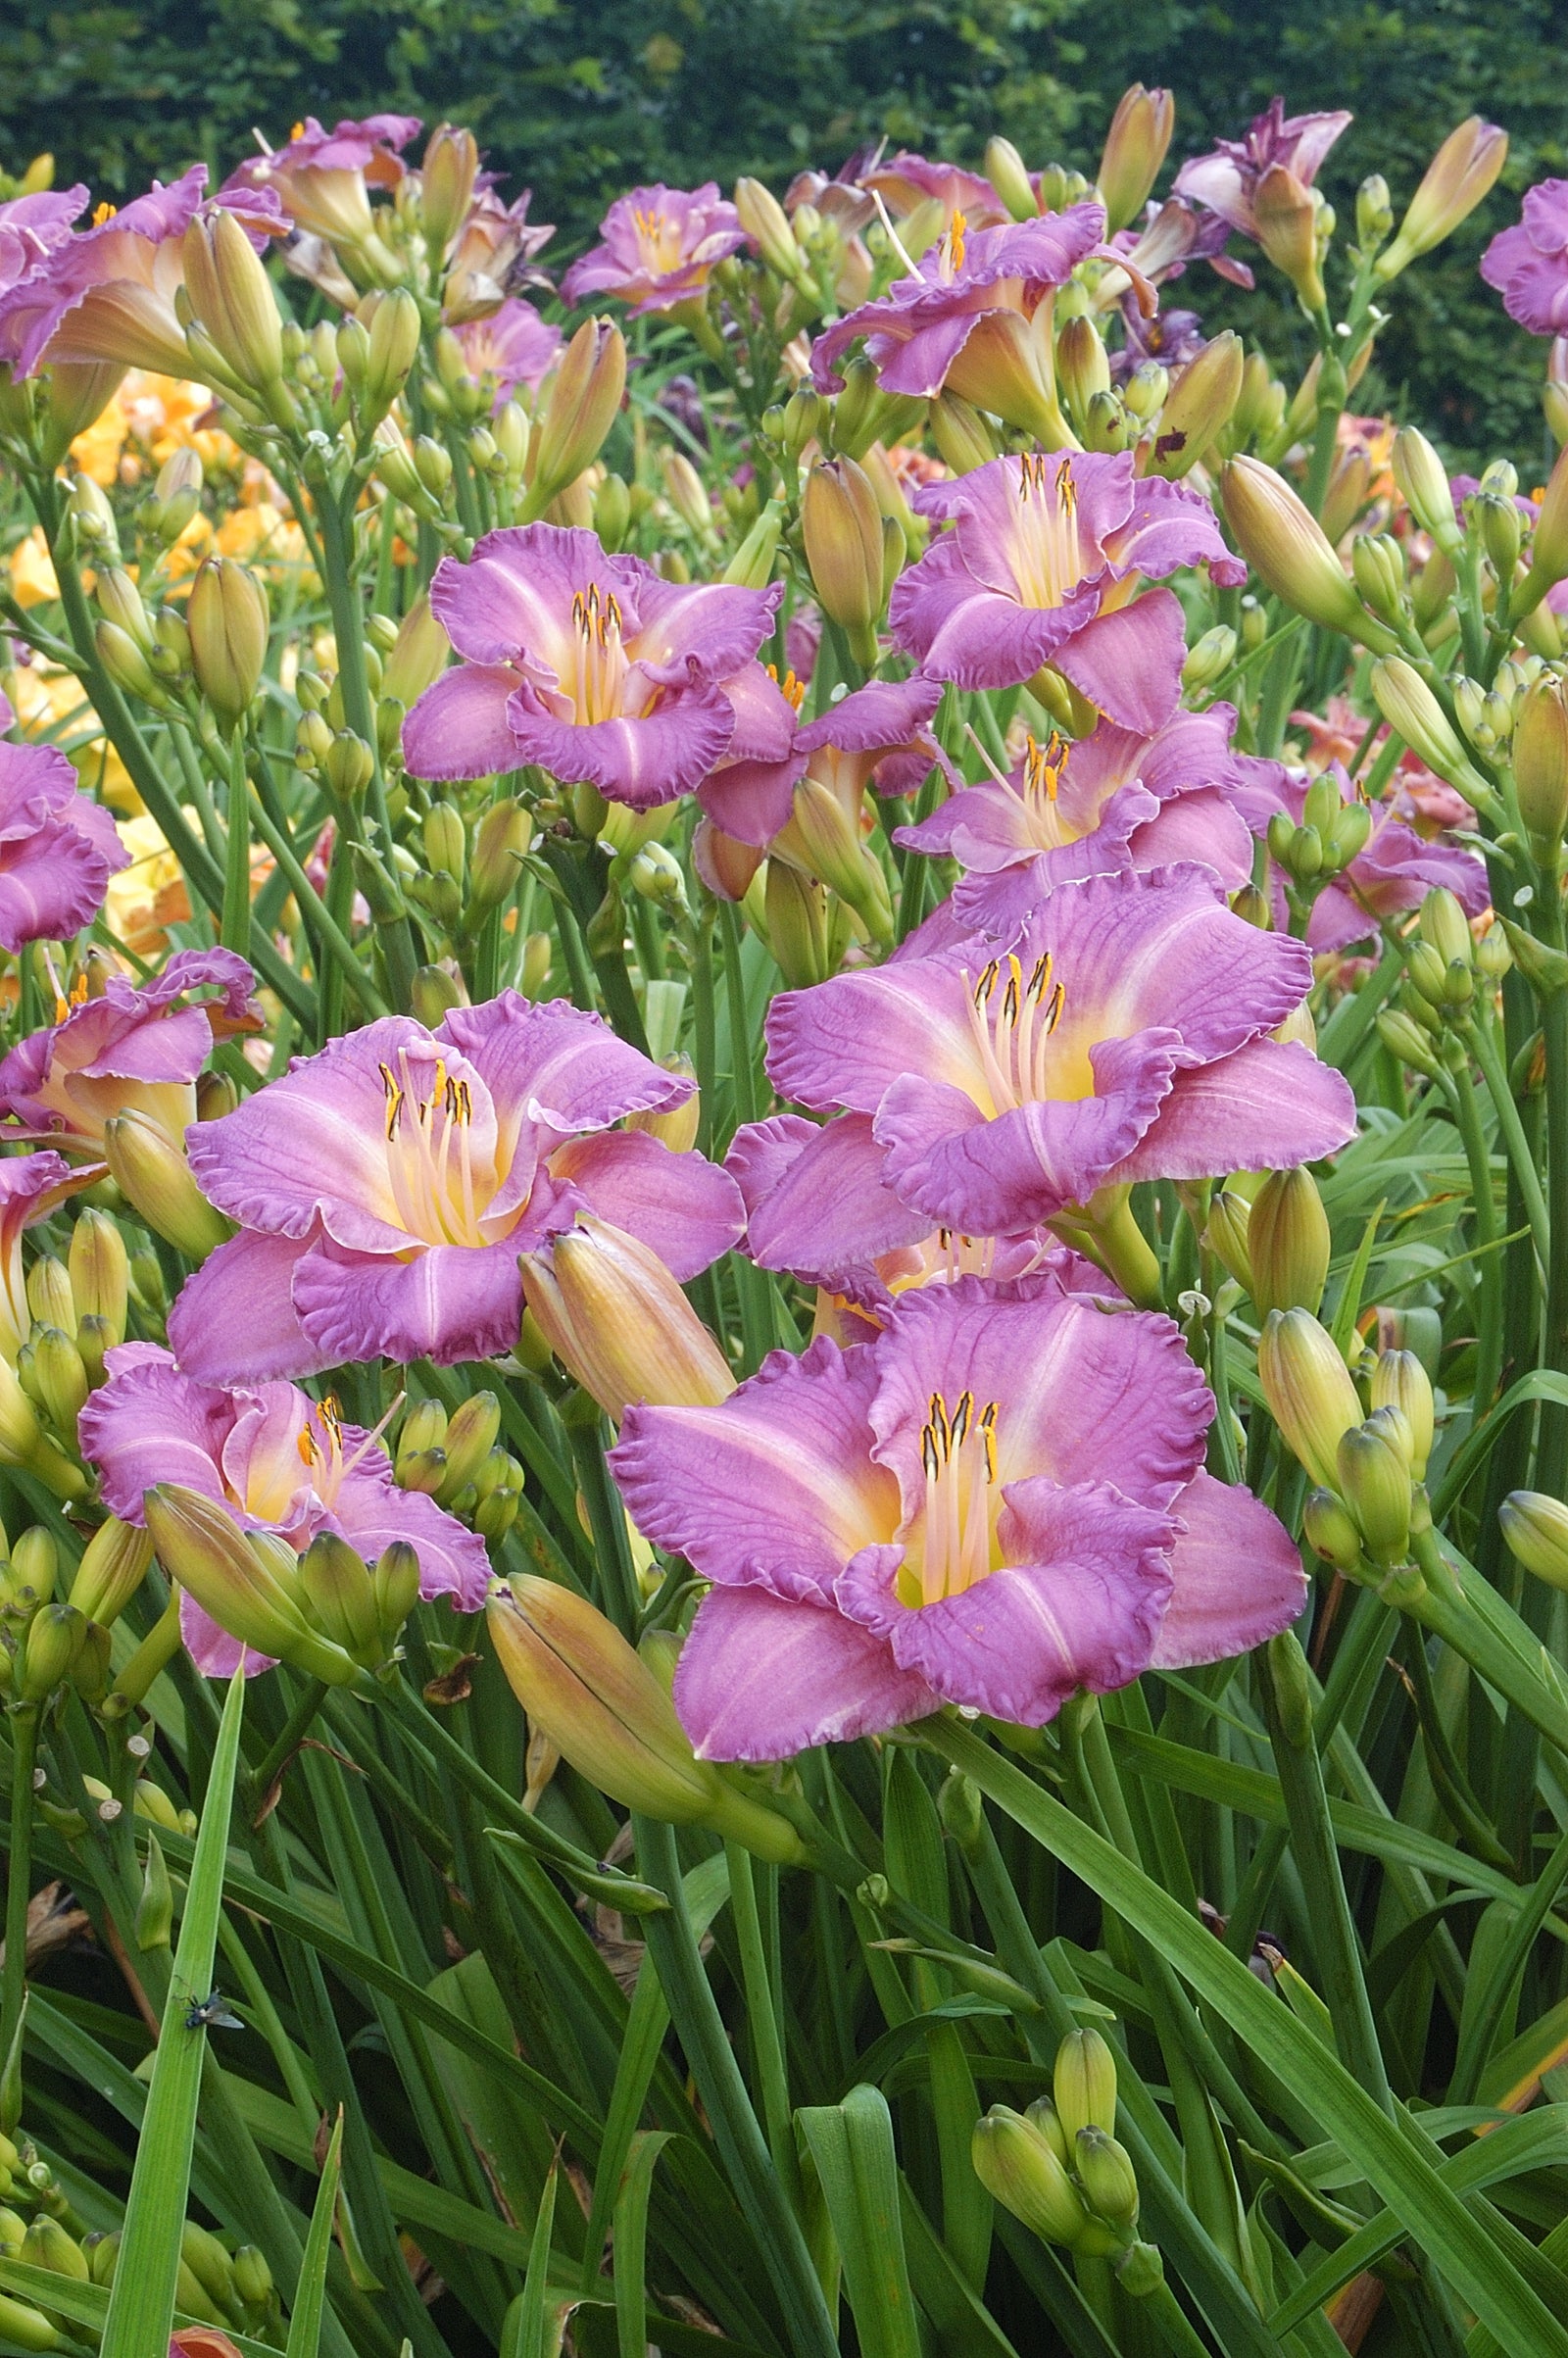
x=581, y=99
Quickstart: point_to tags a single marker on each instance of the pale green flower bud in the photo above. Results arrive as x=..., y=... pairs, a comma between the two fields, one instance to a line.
x=1410, y=709
x=1084, y=2083
x=1374, y=1480
x=1288, y=1243
x=1308, y=1391
x=152, y=1173
x=1536, y=1529
x=1423, y=481
x=1331, y=1529
x=1008, y=175
x=1134, y=148
x=227, y=616
x=1105, y=2176
x=1284, y=543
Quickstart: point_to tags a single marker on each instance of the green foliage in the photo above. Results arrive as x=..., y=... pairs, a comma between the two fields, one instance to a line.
x=582, y=101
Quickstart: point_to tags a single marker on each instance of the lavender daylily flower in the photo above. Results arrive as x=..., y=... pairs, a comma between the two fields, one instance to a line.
x=907, y=181
x=996, y=1503
x=30, y=1186
x=1394, y=871
x=58, y=848
x=1114, y=799
x=105, y=294
x=1227, y=181
x=513, y=345
x=385, y=1188
x=955, y=322
x=1035, y=572
x=278, y=1462
x=877, y=735
x=595, y=668
x=323, y=178
x=492, y=256
x=1121, y=1033
x=1528, y=264
x=34, y=226
x=139, y=1048
x=657, y=248
x=818, y=1208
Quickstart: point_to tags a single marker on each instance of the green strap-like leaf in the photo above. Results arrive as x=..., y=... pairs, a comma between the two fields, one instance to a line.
x=851, y=2145
x=631, y=2241
x=1387, y=2153
x=141, y=2305
x=309, y=2295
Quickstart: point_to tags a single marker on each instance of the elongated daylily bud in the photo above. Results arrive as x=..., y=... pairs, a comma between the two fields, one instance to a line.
x=1008, y=175
x=1536, y=1529
x=469, y=1439
x=1286, y=213
x=336, y=1591
x=24, y=1441
x=1201, y=402
x=1459, y=176
x=1423, y=479
x=98, y=1271
x=618, y=1322
x=1331, y=1529
x=1285, y=544
x=768, y=226
x=227, y=619
x=1373, y=1477
x=1106, y=2176
x=446, y=184
x=110, y=1571
x=152, y=1173
x=233, y=297
x=1288, y=1243
x=842, y=526
x=249, y=1585
x=1084, y=2083
x=1308, y=1391
x=1399, y=1381
x=1135, y=149
x=1414, y=713
x=603, y=1708
x=48, y=1650
x=581, y=409
x=1541, y=761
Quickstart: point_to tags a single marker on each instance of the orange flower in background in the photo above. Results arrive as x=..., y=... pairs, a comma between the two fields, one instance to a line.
x=53, y=705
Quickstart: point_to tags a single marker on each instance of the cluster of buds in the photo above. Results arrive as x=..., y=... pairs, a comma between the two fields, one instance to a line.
x=206, y=660
x=220, y=2286
x=1059, y=2166
x=47, y=1640
x=1332, y=834
x=461, y=882
x=326, y=1613
x=605, y=1706
x=1369, y=1470
x=1449, y=976
x=457, y=1461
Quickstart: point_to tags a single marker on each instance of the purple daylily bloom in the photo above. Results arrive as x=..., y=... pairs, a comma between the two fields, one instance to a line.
x=105, y=295
x=905, y=181
x=1227, y=181
x=278, y=1462
x=1114, y=799
x=30, y=1186
x=1121, y=1033
x=657, y=248
x=385, y=1188
x=58, y=848
x=996, y=1503
x=955, y=321
x=819, y=1207
x=1034, y=571
x=513, y=345
x=877, y=735
x=1394, y=871
x=595, y=668
x=1171, y=337
x=1528, y=264
x=323, y=178
x=32, y=226
x=138, y=1049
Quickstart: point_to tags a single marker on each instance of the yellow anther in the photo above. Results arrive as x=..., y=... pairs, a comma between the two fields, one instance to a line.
x=103, y=213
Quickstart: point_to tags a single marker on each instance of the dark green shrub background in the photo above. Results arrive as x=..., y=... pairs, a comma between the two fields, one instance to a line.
x=580, y=100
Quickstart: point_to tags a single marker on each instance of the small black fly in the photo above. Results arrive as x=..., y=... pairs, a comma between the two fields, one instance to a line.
x=211, y=2014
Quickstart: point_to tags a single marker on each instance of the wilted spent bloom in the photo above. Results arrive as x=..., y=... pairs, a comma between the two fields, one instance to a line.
x=1308, y=1391
x=1228, y=180
x=618, y=1322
